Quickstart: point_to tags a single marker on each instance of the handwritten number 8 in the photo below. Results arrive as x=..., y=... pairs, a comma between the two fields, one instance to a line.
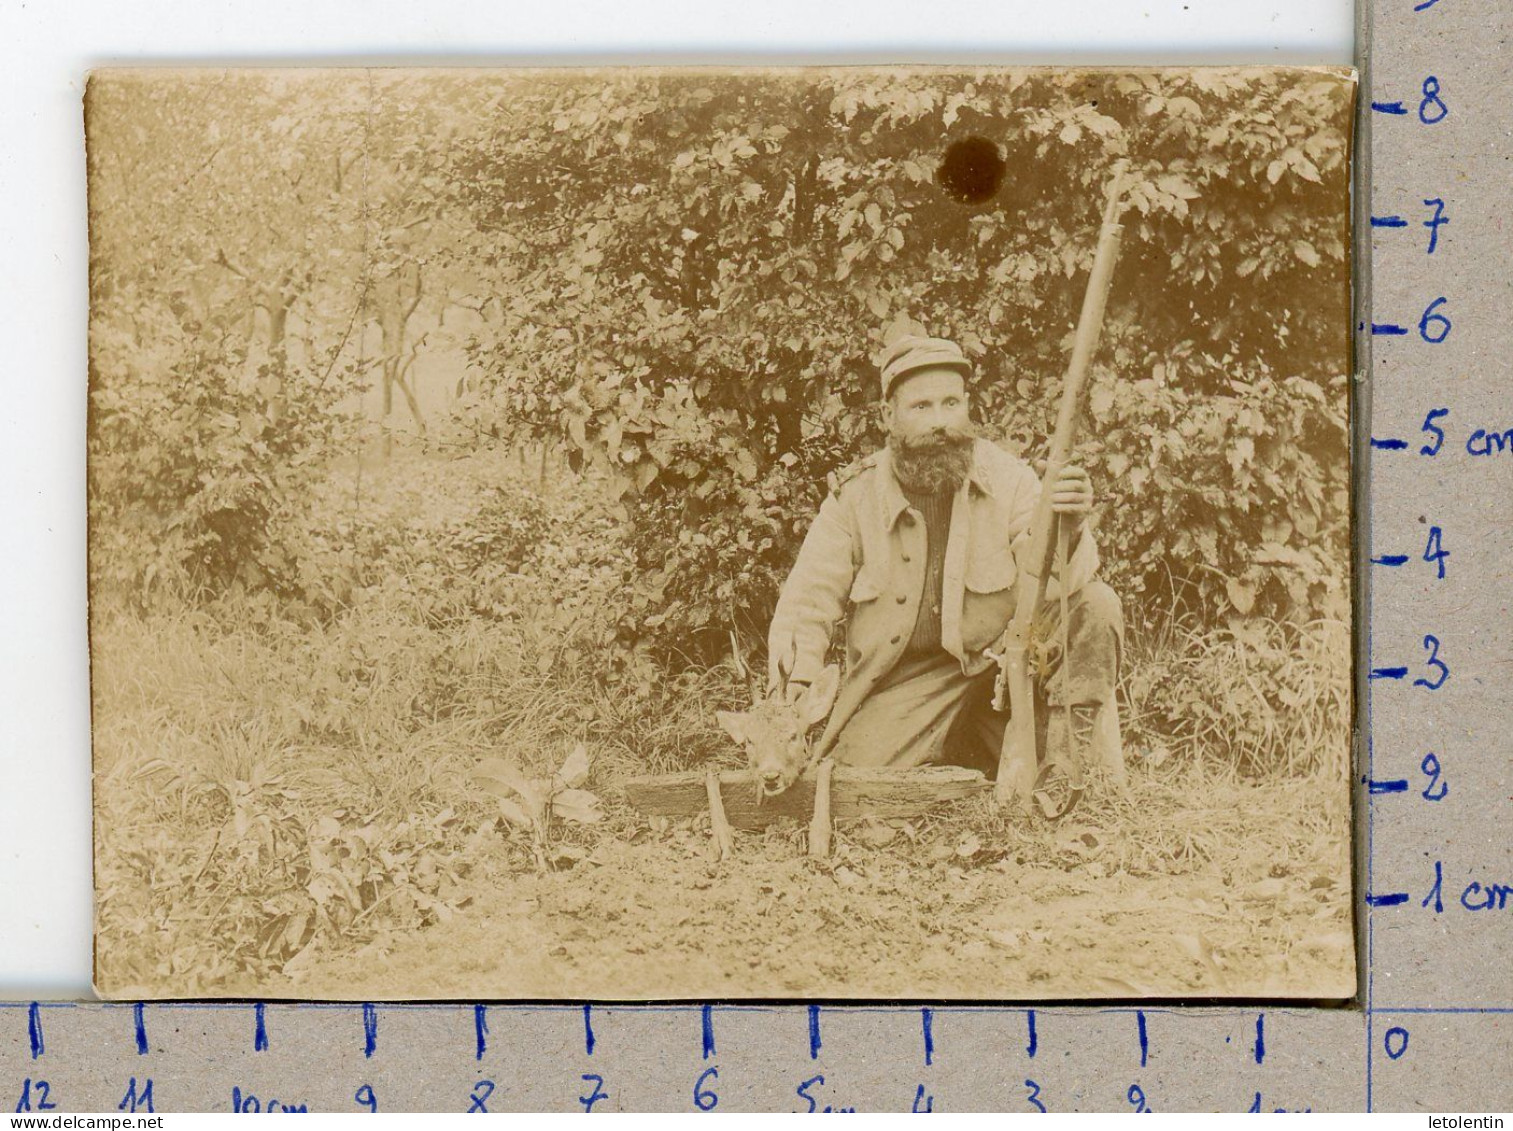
x=1137, y=1098
x=1432, y=108
x=1432, y=643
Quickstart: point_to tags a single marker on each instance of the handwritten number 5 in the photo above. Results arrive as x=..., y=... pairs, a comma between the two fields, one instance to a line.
x=1432, y=643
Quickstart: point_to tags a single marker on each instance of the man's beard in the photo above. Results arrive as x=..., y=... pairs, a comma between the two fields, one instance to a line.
x=933, y=463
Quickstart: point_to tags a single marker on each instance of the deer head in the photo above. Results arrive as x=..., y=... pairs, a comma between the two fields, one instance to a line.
x=774, y=733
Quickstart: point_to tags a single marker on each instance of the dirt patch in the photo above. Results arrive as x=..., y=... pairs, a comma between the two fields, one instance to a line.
x=927, y=910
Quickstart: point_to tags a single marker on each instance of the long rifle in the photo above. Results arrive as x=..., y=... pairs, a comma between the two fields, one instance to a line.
x=1018, y=760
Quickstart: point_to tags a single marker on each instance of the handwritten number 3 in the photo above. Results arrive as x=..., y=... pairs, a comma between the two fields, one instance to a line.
x=1432, y=643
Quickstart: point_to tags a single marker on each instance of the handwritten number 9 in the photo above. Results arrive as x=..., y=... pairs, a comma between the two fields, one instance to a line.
x=1431, y=107
x=366, y=1098
x=1033, y=1099
x=1434, y=328
x=1432, y=643
x=1436, y=789
x=1137, y=1098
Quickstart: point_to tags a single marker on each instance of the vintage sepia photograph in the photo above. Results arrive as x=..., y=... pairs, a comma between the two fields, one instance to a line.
x=739, y=533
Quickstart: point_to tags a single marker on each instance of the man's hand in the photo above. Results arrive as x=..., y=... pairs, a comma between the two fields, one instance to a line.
x=1072, y=492
x=1072, y=499
x=794, y=691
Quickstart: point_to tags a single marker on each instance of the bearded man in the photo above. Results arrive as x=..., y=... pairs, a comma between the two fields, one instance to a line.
x=915, y=552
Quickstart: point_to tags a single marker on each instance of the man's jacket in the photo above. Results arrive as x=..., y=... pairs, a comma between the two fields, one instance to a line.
x=863, y=561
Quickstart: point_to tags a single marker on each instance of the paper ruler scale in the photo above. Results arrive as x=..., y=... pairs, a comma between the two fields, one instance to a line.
x=1434, y=1029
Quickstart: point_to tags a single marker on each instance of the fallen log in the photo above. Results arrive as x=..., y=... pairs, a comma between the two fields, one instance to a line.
x=854, y=792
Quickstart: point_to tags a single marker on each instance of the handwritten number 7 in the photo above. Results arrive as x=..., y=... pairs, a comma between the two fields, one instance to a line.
x=1432, y=643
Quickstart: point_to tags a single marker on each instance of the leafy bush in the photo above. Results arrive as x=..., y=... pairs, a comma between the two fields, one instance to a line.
x=197, y=459
x=694, y=273
x=443, y=540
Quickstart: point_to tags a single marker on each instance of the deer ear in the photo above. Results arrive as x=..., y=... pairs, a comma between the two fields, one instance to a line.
x=734, y=723
x=820, y=696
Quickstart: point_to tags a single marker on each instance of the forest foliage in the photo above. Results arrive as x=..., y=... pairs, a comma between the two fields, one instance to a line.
x=684, y=277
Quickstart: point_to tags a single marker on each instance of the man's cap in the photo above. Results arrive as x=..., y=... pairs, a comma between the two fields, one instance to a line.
x=911, y=353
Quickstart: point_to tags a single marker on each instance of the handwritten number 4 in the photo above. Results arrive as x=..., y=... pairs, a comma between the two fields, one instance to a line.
x=1435, y=552
x=1443, y=669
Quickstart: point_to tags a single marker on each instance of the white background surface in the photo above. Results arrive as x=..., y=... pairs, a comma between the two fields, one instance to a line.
x=45, y=897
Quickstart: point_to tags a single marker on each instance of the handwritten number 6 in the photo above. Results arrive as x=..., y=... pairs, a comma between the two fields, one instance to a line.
x=704, y=1098
x=1432, y=108
x=1137, y=1098
x=1432, y=643
x=1434, y=328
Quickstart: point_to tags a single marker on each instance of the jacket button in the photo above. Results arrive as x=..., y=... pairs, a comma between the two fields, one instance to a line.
x=895, y=640
x=903, y=600
x=906, y=557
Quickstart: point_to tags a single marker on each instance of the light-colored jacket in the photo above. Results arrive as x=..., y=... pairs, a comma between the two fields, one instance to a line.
x=863, y=561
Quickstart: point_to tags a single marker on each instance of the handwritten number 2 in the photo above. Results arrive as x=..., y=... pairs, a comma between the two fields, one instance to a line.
x=1432, y=643
x=1033, y=1099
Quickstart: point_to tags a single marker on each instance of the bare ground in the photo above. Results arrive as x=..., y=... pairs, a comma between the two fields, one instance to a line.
x=1189, y=889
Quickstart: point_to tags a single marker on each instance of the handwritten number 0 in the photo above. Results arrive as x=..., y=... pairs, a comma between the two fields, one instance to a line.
x=1431, y=107
x=1432, y=643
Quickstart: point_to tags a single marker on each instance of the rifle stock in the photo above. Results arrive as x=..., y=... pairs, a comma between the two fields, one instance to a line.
x=1018, y=761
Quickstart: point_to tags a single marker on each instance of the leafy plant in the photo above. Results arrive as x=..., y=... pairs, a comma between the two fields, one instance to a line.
x=541, y=798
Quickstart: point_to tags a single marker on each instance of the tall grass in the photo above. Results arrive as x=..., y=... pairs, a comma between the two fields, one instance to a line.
x=273, y=784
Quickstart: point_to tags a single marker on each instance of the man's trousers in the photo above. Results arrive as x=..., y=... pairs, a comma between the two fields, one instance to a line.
x=926, y=711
